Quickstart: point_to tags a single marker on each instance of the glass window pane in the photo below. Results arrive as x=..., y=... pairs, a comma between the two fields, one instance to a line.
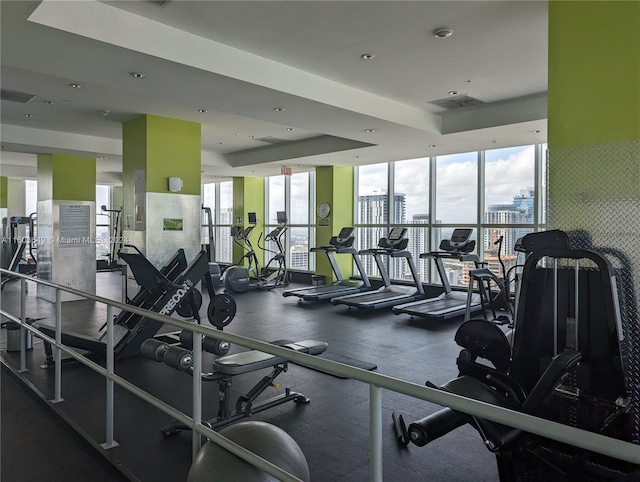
x=411, y=183
x=209, y=195
x=103, y=247
x=102, y=199
x=509, y=185
x=373, y=201
x=276, y=198
x=457, y=188
x=226, y=203
x=457, y=271
x=299, y=201
x=31, y=197
x=509, y=256
x=299, y=250
x=367, y=238
x=418, y=244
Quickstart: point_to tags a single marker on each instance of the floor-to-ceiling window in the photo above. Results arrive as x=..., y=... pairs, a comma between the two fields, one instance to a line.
x=218, y=196
x=499, y=194
x=104, y=222
x=294, y=196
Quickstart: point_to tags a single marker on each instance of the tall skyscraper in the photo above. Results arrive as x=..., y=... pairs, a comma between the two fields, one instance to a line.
x=374, y=209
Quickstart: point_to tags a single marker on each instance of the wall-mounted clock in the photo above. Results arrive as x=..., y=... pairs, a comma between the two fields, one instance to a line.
x=323, y=209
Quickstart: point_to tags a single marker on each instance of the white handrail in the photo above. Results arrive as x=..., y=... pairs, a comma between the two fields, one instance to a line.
x=580, y=438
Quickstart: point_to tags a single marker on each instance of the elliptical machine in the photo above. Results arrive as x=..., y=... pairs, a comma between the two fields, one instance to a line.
x=239, y=278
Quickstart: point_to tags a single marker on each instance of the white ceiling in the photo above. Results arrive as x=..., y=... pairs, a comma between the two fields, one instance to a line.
x=239, y=60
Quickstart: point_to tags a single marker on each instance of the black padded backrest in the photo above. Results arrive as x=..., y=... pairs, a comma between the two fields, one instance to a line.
x=485, y=340
x=597, y=320
x=145, y=273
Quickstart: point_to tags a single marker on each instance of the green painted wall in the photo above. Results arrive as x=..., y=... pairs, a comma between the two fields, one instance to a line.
x=173, y=150
x=65, y=177
x=594, y=72
x=248, y=196
x=594, y=110
x=164, y=148
x=334, y=184
x=3, y=191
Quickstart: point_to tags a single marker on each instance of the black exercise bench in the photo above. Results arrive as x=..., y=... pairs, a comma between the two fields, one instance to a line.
x=225, y=369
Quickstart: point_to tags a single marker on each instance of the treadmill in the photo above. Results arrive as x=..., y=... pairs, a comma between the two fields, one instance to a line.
x=393, y=246
x=449, y=304
x=340, y=244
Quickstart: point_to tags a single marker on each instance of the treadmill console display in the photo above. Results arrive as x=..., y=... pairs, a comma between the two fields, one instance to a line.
x=460, y=237
x=345, y=233
x=396, y=234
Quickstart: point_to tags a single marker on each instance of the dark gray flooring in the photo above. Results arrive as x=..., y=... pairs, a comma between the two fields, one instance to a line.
x=332, y=430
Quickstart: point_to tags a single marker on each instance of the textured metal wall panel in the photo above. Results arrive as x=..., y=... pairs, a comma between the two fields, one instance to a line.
x=161, y=245
x=597, y=189
x=63, y=262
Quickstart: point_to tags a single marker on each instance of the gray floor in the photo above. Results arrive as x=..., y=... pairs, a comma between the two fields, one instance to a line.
x=332, y=430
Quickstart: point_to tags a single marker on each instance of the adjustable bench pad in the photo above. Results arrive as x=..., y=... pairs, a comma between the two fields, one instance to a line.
x=249, y=361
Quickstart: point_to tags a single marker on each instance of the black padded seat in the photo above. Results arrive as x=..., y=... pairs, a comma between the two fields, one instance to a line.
x=253, y=360
x=473, y=388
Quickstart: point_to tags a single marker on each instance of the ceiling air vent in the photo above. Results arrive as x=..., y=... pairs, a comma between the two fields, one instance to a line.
x=271, y=140
x=159, y=3
x=455, y=102
x=15, y=96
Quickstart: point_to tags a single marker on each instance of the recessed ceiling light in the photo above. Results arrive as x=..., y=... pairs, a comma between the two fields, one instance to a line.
x=356, y=157
x=367, y=56
x=105, y=112
x=48, y=102
x=370, y=131
x=252, y=137
x=102, y=157
x=432, y=145
x=28, y=115
x=536, y=131
x=442, y=33
x=454, y=92
x=468, y=81
x=289, y=128
x=219, y=143
x=75, y=86
x=279, y=109
x=138, y=75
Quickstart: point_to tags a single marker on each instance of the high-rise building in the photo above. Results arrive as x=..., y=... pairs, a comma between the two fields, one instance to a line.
x=374, y=209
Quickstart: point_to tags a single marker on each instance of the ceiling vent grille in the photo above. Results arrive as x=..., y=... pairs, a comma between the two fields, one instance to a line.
x=271, y=140
x=15, y=96
x=159, y=3
x=456, y=102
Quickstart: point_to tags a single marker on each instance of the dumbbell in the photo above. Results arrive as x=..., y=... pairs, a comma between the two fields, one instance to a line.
x=174, y=356
x=211, y=345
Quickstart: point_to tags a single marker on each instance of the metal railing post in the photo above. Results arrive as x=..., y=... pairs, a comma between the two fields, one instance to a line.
x=58, y=356
x=375, y=433
x=23, y=331
x=197, y=393
x=110, y=443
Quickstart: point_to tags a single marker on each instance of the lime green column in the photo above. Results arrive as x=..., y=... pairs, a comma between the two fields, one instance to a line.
x=594, y=143
x=66, y=223
x=334, y=184
x=594, y=113
x=159, y=220
x=3, y=192
x=248, y=197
